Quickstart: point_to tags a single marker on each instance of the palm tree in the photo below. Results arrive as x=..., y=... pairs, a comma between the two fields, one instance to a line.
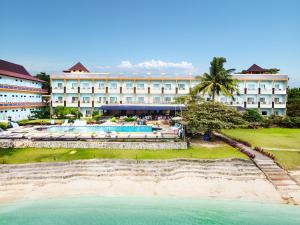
x=218, y=80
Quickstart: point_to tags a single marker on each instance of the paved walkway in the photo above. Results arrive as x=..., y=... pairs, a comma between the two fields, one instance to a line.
x=282, y=181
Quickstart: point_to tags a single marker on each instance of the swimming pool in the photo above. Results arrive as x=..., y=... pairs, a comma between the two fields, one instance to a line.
x=92, y=129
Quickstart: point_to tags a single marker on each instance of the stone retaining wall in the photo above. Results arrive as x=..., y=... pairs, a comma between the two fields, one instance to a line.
x=23, y=143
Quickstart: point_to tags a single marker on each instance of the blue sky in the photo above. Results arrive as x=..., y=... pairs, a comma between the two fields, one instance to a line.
x=169, y=36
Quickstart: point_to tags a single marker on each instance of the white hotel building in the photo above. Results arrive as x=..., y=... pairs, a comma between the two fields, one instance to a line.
x=20, y=93
x=112, y=94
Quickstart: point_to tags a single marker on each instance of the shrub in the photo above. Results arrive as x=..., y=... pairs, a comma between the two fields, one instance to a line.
x=129, y=119
x=262, y=151
x=38, y=122
x=113, y=119
x=3, y=125
x=252, y=115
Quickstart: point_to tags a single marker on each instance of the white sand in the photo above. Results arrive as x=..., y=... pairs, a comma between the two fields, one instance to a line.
x=221, y=179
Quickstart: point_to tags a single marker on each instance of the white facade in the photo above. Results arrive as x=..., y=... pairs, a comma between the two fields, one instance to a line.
x=20, y=94
x=96, y=91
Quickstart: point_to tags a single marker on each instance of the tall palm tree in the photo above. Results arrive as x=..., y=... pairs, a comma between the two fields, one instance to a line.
x=218, y=80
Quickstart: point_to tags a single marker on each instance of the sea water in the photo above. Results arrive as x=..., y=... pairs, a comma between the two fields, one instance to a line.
x=146, y=211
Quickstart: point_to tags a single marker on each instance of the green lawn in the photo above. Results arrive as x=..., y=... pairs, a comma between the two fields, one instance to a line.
x=287, y=159
x=29, y=155
x=280, y=138
x=271, y=139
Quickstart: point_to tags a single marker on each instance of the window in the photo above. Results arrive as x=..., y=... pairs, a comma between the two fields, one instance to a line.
x=250, y=100
x=264, y=113
x=168, y=99
x=156, y=100
x=74, y=86
x=86, y=99
x=168, y=86
x=251, y=86
x=223, y=99
x=181, y=86
x=277, y=86
x=101, y=86
x=262, y=86
x=128, y=99
x=140, y=86
x=262, y=100
x=113, y=85
x=128, y=85
x=74, y=99
x=141, y=100
x=113, y=99
x=85, y=85
x=60, y=99
x=156, y=86
x=59, y=85
x=276, y=100
x=99, y=99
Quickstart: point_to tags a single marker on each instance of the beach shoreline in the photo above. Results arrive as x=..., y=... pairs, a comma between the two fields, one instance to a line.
x=222, y=179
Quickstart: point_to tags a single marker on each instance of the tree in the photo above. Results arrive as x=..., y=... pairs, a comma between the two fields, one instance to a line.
x=218, y=80
x=188, y=99
x=42, y=114
x=61, y=112
x=45, y=77
x=293, y=104
x=252, y=115
x=206, y=117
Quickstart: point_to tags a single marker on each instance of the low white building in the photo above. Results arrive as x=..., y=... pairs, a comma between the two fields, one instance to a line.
x=20, y=93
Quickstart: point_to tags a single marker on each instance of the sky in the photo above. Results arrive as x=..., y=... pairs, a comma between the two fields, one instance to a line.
x=153, y=37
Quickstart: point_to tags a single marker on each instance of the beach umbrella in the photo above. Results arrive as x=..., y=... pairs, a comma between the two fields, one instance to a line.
x=177, y=118
x=69, y=115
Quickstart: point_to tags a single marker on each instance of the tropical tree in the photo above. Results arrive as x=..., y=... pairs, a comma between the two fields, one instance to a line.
x=217, y=81
x=205, y=117
x=45, y=77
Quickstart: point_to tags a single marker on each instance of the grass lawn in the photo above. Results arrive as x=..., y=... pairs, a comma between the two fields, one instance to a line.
x=279, y=138
x=287, y=159
x=28, y=155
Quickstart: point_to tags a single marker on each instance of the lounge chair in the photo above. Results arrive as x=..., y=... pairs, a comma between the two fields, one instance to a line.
x=65, y=123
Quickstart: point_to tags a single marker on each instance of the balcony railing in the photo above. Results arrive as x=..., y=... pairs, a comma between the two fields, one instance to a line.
x=2, y=104
x=21, y=88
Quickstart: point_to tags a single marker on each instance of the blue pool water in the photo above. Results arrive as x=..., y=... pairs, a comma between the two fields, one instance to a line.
x=91, y=129
x=146, y=211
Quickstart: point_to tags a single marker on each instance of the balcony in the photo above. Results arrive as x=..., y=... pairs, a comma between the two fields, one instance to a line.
x=280, y=91
x=86, y=103
x=266, y=91
x=72, y=103
x=169, y=91
x=155, y=90
x=100, y=90
x=252, y=105
x=72, y=90
x=58, y=103
x=6, y=105
x=265, y=105
x=252, y=91
x=87, y=90
x=142, y=90
x=279, y=105
x=114, y=90
x=183, y=91
x=6, y=87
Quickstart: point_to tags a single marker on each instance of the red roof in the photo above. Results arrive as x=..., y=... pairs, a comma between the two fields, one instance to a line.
x=14, y=70
x=77, y=67
x=255, y=69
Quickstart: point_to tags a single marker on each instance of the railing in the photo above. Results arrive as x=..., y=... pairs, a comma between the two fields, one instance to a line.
x=21, y=88
x=22, y=104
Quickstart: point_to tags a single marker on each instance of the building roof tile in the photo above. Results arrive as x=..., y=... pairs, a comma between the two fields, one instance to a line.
x=14, y=70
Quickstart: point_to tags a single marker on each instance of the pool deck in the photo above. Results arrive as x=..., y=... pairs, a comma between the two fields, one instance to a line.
x=31, y=133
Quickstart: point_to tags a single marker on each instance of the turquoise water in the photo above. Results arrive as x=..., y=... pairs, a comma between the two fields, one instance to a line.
x=146, y=211
x=82, y=129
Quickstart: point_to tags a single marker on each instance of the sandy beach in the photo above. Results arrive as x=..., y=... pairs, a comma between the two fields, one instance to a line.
x=223, y=179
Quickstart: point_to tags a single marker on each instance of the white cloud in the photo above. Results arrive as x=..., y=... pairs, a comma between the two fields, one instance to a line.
x=157, y=66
